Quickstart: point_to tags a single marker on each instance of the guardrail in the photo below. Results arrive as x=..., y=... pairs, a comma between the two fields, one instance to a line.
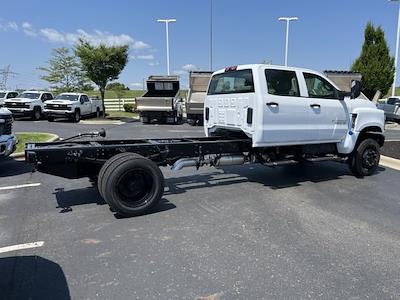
x=117, y=104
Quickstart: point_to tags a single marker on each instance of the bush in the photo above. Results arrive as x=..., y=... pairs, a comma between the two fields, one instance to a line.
x=128, y=107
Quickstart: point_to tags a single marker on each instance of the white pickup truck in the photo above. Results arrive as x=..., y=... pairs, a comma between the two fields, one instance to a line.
x=28, y=104
x=72, y=106
x=391, y=108
x=290, y=113
x=7, y=95
x=7, y=138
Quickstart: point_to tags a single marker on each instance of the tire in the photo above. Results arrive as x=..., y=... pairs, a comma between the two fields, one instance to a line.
x=50, y=119
x=37, y=114
x=365, y=158
x=105, y=167
x=98, y=113
x=132, y=185
x=145, y=120
x=76, y=117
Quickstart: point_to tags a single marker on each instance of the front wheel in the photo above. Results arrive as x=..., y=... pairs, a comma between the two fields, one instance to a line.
x=37, y=114
x=77, y=116
x=131, y=184
x=365, y=158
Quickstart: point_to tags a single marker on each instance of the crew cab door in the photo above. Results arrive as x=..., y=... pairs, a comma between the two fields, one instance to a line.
x=329, y=116
x=286, y=116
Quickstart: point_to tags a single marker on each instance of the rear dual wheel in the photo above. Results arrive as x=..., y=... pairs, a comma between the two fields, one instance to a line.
x=131, y=184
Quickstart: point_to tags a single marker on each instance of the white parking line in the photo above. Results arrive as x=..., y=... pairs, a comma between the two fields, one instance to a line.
x=21, y=247
x=13, y=187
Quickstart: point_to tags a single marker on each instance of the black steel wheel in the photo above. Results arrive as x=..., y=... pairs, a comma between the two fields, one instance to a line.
x=365, y=158
x=132, y=184
x=77, y=116
x=37, y=114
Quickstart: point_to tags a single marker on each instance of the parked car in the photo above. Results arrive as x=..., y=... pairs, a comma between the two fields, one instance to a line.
x=391, y=107
x=7, y=95
x=28, y=104
x=72, y=106
x=7, y=138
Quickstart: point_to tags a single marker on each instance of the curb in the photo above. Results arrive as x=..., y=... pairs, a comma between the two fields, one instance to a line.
x=390, y=162
x=22, y=154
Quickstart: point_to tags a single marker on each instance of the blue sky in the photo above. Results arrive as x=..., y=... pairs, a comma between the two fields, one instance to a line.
x=328, y=34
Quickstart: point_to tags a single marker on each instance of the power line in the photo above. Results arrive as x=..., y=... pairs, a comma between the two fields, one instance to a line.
x=5, y=74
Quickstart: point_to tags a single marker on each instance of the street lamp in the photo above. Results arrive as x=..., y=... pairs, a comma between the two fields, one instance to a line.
x=167, y=21
x=211, y=35
x=397, y=51
x=287, y=19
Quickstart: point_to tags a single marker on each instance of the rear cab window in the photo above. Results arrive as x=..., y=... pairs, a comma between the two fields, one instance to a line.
x=232, y=82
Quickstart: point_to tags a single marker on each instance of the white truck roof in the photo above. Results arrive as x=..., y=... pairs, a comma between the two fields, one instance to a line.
x=276, y=67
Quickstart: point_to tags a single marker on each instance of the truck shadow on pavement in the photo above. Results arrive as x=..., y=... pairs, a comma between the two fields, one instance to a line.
x=66, y=200
x=32, y=277
x=274, y=178
x=11, y=167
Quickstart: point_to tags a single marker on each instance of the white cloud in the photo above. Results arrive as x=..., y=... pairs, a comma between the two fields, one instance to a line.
x=154, y=64
x=53, y=35
x=142, y=57
x=189, y=67
x=27, y=28
x=9, y=26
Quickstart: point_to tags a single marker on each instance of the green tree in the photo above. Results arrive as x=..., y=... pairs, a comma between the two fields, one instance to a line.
x=375, y=63
x=102, y=63
x=64, y=72
x=116, y=85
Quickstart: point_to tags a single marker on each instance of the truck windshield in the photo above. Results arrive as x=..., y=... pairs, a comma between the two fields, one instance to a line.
x=29, y=95
x=2, y=95
x=232, y=83
x=67, y=97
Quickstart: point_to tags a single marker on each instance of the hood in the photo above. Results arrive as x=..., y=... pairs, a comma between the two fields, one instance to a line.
x=359, y=103
x=65, y=102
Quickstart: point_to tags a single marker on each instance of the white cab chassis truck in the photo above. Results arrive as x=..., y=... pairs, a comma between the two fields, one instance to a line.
x=264, y=114
x=28, y=104
x=198, y=84
x=161, y=102
x=72, y=106
x=7, y=138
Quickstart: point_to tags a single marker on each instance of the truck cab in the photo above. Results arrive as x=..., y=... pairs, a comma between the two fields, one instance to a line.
x=28, y=104
x=280, y=106
x=72, y=106
x=7, y=95
x=7, y=138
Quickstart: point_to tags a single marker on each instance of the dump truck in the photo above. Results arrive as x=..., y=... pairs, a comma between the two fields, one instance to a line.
x=198, y=84
x=161, y=102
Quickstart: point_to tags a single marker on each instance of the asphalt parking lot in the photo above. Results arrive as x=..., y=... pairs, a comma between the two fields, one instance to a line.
x=250, y=232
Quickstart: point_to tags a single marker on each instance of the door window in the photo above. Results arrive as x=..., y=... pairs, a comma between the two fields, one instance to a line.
x=44, y=97
x=282, y=83
x=393, y=101
x=318, y=87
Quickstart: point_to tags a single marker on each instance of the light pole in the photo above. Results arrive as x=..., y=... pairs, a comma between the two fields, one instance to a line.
x=397, y=51
x=211, y=35
x=167, y=21
x=287, y=19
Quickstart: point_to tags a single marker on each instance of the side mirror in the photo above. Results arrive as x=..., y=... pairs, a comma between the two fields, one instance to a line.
x=81, y=101
x=355, y=89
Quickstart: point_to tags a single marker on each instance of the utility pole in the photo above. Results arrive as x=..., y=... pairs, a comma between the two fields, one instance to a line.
x=287, y=19
x=397, y=51
x=211, y=35
x=4, y=75
x=167, y=21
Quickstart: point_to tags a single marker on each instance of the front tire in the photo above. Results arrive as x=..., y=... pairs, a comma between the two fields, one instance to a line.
x=365, y=158
x=37, y=114
x=131, y=184
x=77, y=116
x=50, y=119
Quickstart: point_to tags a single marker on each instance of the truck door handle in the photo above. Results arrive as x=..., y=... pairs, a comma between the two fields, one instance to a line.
x=315, y=105
x=273, y=104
